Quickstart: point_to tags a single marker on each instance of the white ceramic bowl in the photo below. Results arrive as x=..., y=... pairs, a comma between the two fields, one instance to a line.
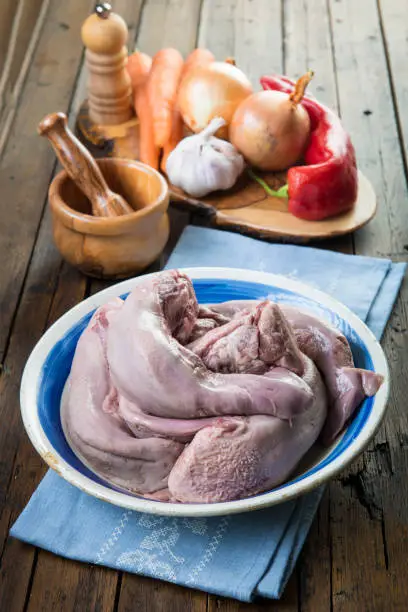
x=47, y=369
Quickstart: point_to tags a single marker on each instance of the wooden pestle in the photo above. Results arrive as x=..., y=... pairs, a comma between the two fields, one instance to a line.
x=82, y=168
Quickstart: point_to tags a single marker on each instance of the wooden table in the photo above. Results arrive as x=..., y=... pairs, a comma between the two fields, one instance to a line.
x=355, y=557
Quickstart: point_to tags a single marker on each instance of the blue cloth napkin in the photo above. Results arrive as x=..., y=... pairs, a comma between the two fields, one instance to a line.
x=241, y=556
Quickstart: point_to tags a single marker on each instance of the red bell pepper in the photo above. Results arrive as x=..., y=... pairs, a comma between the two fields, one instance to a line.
x=327, y=185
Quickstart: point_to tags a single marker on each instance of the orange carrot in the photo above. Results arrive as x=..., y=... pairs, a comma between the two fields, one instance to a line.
x=148, y=152
x=197, y=58
x=138, y=67
x=162, y=86
x=177, y=129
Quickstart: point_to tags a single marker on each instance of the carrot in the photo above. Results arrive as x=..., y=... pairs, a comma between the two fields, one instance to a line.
x=197, y=58
x=148, y=152
x=162, y=86
x=177, y=129
x=138, y=67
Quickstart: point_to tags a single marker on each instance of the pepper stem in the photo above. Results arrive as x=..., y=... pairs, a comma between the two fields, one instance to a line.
x=282, y=192
x=300, y=87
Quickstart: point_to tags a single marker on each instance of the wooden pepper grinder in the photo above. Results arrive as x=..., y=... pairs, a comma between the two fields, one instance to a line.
x=104, y=35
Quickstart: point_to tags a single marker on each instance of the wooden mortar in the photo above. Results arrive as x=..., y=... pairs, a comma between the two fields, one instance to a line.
x=112, y=247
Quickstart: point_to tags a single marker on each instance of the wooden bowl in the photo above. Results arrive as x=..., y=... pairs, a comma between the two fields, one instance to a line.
x=112, y=247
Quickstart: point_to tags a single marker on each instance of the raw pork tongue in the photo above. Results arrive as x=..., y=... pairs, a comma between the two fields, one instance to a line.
x=329, y=349
x=251, y=343
x=347, y=386
x=119, y=439
x=175, y=400
x=165, y=379
x=227, y=457
x=240, y=456
x=94, y=429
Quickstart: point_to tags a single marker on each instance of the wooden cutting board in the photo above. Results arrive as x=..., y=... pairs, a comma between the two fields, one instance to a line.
x=246, y=208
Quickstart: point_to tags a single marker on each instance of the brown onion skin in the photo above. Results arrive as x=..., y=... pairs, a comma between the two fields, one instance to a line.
x=270, y=131
x=212, y=91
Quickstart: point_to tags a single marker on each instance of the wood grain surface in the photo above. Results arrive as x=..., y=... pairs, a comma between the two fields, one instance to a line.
x=355, y=555
x=21, y=22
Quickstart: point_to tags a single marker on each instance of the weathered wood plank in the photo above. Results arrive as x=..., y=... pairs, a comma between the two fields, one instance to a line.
x=308, y=46
x=62, y=585
x=49, y=87
x=394, y=23
x=288, y=602
x=20, y=32
x=388, y=474
x=22, y=39
x=38, y=307
x=367, y=111
x=248, y=31
x=147, y=595
x=168, y=23
x=364, y=499
x=25, y=26
x=315, y=562
x=16, y=558
x=8, y=9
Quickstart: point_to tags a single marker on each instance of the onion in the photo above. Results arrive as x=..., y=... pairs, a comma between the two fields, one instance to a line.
x=212, y=91
x=271, y=128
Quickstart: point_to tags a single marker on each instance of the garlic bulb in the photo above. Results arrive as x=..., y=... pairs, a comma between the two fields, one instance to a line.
x=203, y=163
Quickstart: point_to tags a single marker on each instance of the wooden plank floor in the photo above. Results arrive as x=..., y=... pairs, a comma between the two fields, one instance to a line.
x=355, y=557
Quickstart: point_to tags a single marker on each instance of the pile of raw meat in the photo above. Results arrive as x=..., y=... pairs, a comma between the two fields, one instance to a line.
x=176, y=401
